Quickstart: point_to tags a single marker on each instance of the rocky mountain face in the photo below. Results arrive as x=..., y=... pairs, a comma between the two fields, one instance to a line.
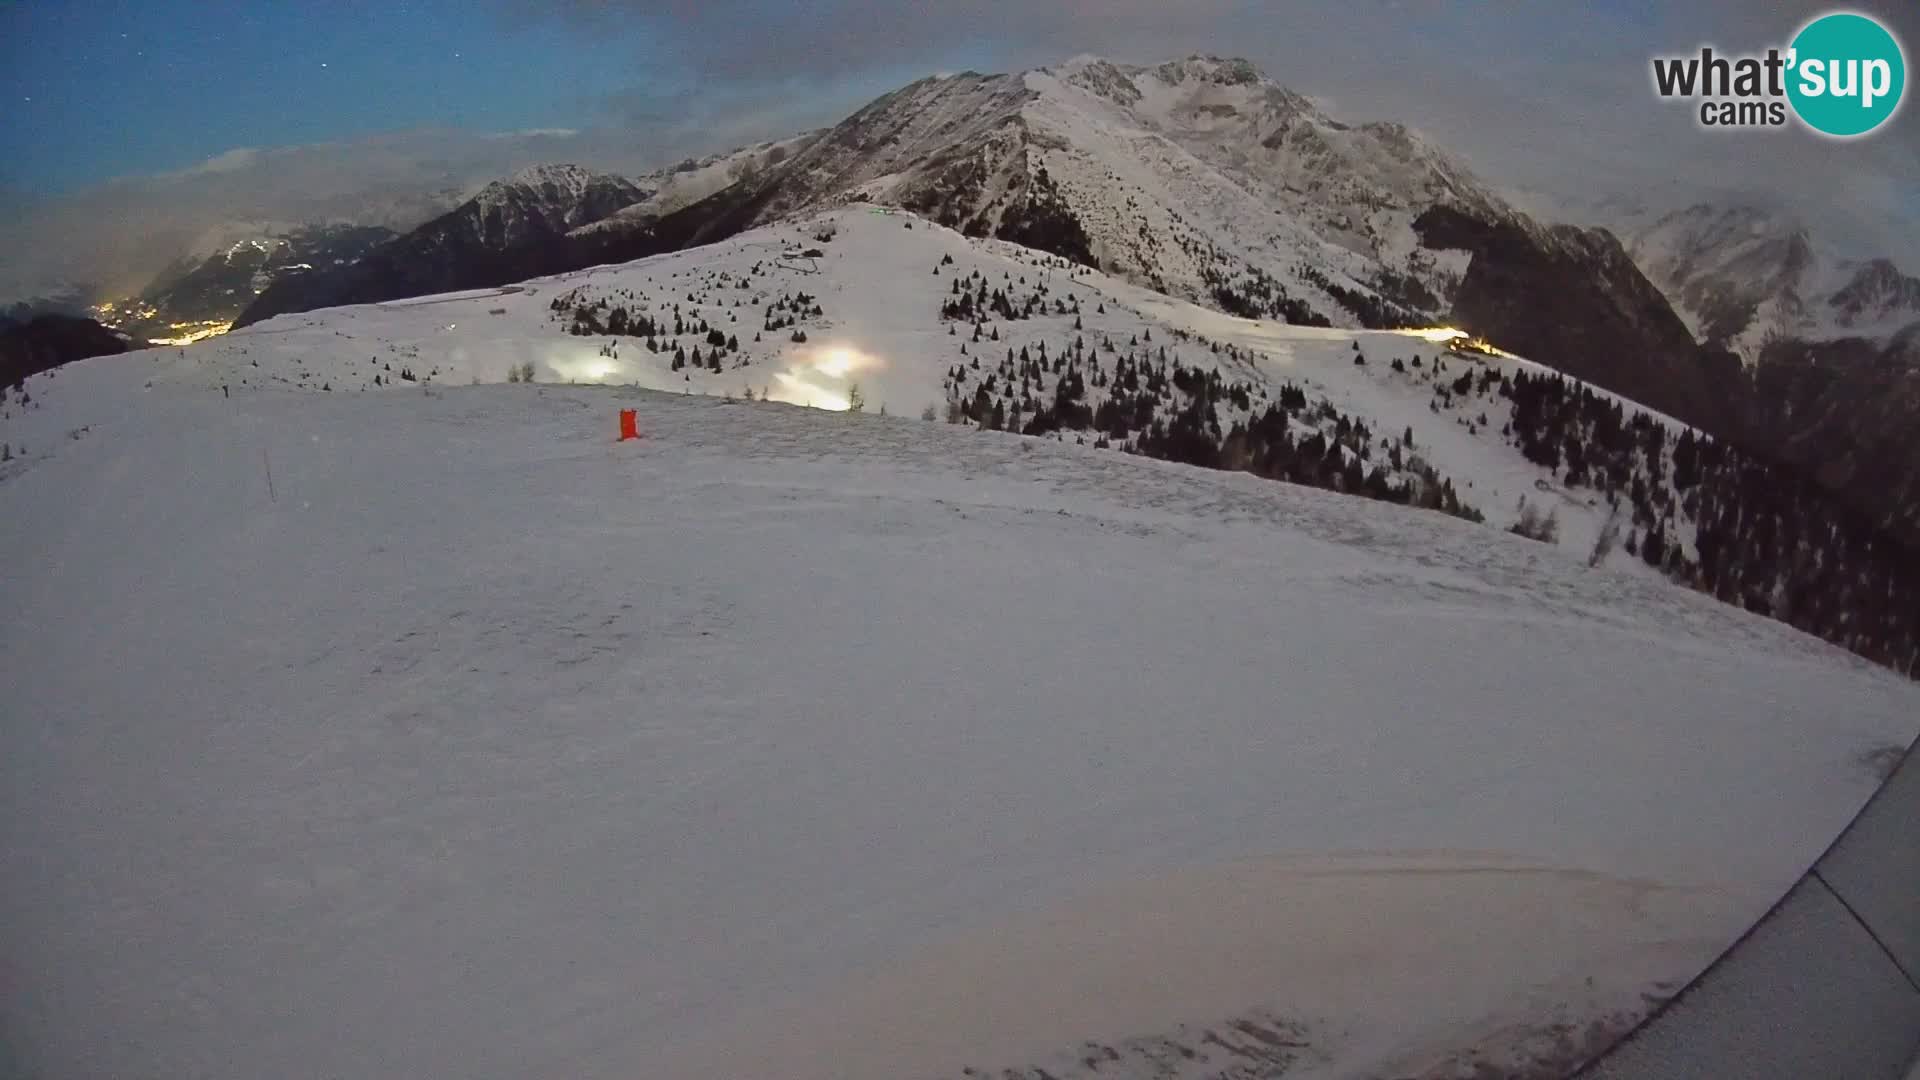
x=45, y=342
x=1579, y=304
x=1828, y=373
x=510, y=230
x=1878, y=294
x=1739, y=274
x=1745, y=277
x=198, y=292
x=688, y=181
x=535, y=203
x=956, y=148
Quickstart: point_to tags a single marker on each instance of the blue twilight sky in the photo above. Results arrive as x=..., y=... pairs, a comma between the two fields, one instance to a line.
x=100, y=89
x=169, y=116
x=107, y=88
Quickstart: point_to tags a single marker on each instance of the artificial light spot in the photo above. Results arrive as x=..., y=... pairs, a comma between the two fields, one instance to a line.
x=823, y=378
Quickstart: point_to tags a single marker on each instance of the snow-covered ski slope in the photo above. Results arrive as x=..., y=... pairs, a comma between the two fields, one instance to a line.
x=793, y=743
x=881, y=328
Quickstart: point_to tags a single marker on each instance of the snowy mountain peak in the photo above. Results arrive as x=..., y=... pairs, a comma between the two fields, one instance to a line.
x=553, y=172
x=556, y=183
x=525, y=217
x=1100, y=76
x=550, y=199
x=1746, y=275
x=1222, y=71
x=1877, y=292
x=1239, y=113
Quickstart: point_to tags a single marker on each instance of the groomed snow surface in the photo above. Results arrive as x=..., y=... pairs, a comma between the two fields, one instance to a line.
x=786, y=743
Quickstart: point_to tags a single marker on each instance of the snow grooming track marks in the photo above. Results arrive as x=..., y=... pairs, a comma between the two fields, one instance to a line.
x=677, y=744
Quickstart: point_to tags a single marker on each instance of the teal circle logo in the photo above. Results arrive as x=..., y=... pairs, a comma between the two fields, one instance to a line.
x=1847, y=74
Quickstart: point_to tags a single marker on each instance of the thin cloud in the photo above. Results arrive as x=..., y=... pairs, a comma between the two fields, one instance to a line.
x=237, y=158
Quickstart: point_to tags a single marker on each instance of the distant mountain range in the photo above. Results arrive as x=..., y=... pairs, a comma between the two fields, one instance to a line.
x=197, y=294
x=513, y=229
x=1745, y=276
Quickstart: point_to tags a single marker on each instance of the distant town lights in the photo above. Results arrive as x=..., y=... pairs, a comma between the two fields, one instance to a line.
x=200, y=332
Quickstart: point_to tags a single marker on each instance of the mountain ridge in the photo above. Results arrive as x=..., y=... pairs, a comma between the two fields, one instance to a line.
x=1745, y=275
x=511, y=228
x=892, y=310
x=1204, y=180
x=48, y=341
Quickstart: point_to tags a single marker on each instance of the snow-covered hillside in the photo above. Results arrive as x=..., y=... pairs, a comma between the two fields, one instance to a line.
x=880, y=285
x=432, y=732
x=923, y=321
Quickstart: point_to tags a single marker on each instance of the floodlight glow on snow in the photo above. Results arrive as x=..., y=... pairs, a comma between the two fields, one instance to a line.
x=794, y=389
x=836, y=362
x=1458, y=340
x=584, y=367
x=841, y=362
x=822, y=378
x=1439, y=334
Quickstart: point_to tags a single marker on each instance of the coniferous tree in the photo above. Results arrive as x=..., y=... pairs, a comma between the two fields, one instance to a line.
x=1654, y=547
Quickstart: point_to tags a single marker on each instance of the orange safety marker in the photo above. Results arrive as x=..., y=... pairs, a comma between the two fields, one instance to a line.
x=629, y=424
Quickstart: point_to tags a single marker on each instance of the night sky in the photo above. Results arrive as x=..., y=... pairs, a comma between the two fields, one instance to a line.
x=99, y=89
